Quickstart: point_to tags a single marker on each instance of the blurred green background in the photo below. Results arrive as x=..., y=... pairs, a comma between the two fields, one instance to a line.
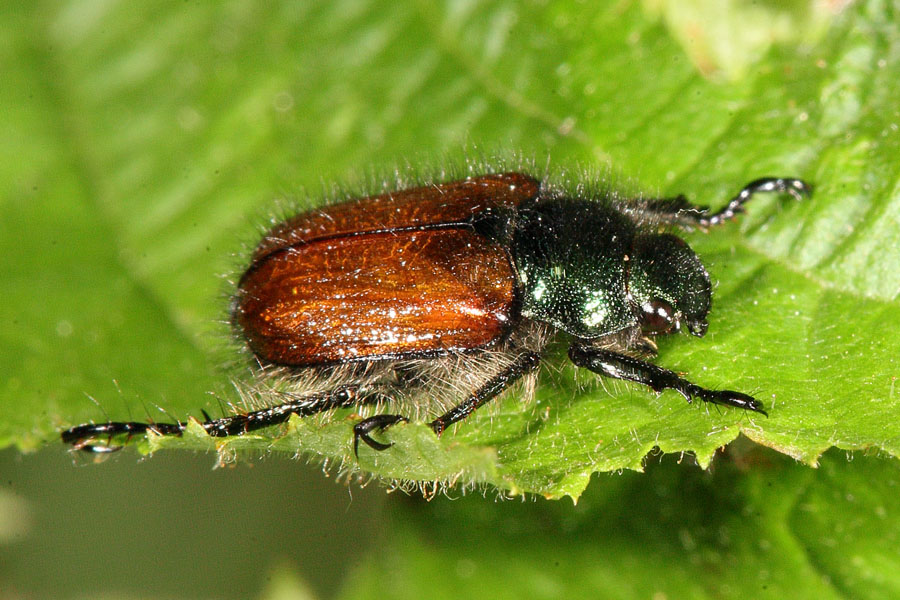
x=143, y=145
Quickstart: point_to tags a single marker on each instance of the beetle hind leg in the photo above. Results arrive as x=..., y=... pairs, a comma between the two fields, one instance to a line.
x=98, y=438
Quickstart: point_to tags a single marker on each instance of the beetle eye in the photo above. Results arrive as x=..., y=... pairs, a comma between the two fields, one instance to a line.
x=658, y=317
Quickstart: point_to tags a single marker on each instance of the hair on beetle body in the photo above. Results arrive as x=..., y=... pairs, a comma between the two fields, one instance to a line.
x=418, y=387
x=426, y=302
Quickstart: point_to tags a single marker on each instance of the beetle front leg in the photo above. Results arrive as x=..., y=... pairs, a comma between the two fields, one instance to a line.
x=621, y=366
x=679, y=211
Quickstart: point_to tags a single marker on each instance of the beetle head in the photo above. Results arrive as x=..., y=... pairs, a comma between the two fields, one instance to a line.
x=668, y=284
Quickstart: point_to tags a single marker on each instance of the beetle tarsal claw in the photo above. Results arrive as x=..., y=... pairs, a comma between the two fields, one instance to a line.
x=380, y=422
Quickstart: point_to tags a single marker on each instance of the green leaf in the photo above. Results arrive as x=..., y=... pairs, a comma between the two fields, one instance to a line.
x=147, y=144
x=760, y=526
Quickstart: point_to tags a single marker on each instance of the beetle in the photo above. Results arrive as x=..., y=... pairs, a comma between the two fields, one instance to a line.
x=448, y=293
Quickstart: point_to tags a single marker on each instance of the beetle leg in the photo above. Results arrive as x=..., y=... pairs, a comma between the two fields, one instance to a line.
x=646, y=347
x=620, y=366
x=495, y=386
x=678, y=211
x=489, y=390
x=89, y=438
x=380, y=422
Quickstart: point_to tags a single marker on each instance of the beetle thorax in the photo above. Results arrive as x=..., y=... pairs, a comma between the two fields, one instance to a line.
x=570, y=258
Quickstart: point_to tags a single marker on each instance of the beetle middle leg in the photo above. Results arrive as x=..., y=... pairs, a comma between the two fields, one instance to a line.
x=621, y=366
x=495, y=386
x=679, y=211
x=524, y=364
